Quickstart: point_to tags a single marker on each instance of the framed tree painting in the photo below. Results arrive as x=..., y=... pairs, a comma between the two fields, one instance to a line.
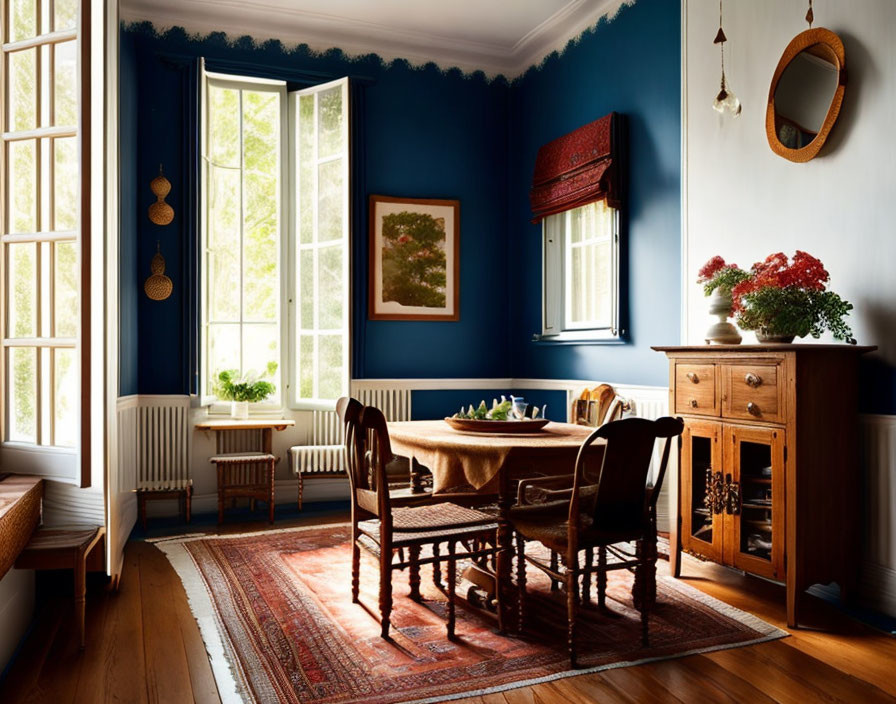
x=414, y=259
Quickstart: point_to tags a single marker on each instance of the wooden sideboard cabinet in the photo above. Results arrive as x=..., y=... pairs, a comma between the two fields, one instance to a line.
x=769, y=477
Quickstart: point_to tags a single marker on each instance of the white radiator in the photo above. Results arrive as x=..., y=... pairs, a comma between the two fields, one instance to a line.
x=325, y=453
x=163, y=442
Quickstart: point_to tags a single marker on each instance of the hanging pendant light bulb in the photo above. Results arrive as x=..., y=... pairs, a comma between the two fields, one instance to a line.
x=726, y=100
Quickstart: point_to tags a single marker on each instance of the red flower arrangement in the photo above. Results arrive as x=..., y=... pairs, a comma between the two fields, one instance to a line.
x=716, y=274
x=782, y=297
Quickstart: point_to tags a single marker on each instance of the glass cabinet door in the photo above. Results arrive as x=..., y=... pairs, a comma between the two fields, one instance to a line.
x=701, y=472
x=754, y=500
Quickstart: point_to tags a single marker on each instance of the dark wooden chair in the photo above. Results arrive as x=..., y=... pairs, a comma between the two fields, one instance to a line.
x=384, y=529
x=603, y=512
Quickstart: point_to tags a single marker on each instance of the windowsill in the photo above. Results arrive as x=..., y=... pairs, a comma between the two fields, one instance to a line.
x=582, y=337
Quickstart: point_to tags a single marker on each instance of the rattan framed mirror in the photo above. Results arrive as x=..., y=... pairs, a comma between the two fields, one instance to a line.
x=805, y=95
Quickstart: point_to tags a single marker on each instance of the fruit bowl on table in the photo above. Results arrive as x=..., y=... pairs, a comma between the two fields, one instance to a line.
x=529, y=425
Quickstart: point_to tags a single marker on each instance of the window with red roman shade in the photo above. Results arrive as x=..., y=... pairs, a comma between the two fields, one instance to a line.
x=578, y=168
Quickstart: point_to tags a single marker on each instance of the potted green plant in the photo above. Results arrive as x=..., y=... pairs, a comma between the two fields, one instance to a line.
x=241, y=391
x=718, y=279
x=784, y=298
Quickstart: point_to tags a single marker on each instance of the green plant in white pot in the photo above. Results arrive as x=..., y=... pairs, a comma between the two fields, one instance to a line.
x=243, y=390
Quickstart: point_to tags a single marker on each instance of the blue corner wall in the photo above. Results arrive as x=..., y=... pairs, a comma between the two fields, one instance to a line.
x=129, y=284
x=429, y=133
x=631, y=65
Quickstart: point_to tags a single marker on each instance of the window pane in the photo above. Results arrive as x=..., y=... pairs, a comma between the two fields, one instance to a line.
x=261, y=346
x=603, y=280
x=306, y=366
x=22, y=19
x=23, y=282
x=261, y=282
x=577, y=224
x=224, y=126
x=23, y=399
x=306, y=289
x=223, y=350
x=330, y=202
x=66, y=184
x=65, y=83
x=330, y=288
x=66, y=289
x=306, y=169
x=65, y=397
x=329, y=122
x=22, y=200
x=576, y=286
x=330, y=376
x=22, y=90
x=66, y=14
x=223, y=219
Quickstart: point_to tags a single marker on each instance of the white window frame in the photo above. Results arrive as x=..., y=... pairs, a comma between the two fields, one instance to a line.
x=290, y=248
x=274, y=403
x=42, y=457
x=556, y=285
x=315, y=403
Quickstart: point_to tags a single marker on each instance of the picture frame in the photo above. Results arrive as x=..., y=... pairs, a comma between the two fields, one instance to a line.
x=414, y=259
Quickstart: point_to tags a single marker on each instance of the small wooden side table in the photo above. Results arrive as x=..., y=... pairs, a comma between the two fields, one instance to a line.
x=64, y=548
x=182, y=490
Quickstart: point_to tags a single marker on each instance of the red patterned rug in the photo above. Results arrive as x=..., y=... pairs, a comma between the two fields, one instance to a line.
x=275, y=612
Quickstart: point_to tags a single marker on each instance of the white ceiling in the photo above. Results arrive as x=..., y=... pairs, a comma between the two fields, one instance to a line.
x=495, y=36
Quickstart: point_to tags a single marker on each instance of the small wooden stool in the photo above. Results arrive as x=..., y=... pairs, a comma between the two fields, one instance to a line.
x=64, y=548
x=182, y=490
x=245, y=474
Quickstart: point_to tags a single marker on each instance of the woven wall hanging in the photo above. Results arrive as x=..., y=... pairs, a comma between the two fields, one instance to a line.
x=158, y=286
x=160, y=212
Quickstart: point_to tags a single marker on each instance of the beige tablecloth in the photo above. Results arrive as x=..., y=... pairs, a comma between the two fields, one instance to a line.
x=460, y=460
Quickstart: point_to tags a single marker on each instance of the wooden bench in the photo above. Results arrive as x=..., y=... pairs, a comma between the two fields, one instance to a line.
x=64, y=548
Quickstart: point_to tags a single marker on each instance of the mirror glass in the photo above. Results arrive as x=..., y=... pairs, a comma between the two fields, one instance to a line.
x=804, y=95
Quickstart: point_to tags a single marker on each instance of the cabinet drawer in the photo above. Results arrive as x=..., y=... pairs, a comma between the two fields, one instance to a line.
x=753, y=392
x=696, y=389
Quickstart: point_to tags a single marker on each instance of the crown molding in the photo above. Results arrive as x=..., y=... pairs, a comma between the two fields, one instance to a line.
x=354, y=37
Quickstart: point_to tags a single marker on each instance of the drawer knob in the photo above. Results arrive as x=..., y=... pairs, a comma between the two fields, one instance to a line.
x=753, y=409
x=693, y=377
x=693, y=403
x=753, y=380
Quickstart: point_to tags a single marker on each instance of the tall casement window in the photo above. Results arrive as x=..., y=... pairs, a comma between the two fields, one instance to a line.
x=275, y=237
x=576, y=195
x=41, y=224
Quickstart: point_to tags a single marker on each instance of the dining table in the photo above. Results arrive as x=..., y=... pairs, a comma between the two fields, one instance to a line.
x=490, y=464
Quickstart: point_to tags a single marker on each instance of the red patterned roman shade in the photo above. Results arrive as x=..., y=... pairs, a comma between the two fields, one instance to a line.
x=579, y=168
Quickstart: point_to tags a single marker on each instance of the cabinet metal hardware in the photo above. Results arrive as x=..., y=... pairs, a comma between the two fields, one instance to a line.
x=753, y=380
x=693, y=377
x=693, y=403
x=714, y=498
x=732, y=496
x=753, y=409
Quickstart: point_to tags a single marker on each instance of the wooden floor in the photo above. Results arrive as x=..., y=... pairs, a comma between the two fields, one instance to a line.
x=143, y=645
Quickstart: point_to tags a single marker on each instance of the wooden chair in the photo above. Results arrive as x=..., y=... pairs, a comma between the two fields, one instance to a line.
x=248, y=475
x=617, y=506
x=64, y=548
x=382, y=529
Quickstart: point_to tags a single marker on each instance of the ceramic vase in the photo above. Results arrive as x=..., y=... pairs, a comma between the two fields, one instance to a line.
x=721, y=332
x=239, y=410
x=765, y=337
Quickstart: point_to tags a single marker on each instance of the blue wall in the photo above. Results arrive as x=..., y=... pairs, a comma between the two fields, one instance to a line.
x=631, y=65
x=129, y=283
x=427, y=133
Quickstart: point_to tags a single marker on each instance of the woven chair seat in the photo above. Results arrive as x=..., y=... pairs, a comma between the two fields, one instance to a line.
x=371, y=529
x=548, y=524
x=62, y=538
x=243, y=458
x=436, y=517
